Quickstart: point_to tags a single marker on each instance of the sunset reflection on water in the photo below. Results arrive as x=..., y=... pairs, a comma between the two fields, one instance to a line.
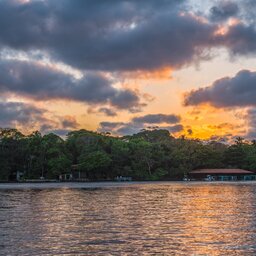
x=144, y=219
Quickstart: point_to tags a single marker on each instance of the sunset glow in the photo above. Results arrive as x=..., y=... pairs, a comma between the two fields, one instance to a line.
x=72, y=65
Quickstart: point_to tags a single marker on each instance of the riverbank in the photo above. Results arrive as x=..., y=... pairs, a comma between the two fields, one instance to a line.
x=49, y=185
x=111, y=184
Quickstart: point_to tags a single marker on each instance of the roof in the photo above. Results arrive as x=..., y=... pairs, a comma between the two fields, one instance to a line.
x=221, y=171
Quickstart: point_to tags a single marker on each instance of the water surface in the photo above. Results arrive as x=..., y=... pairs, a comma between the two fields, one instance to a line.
x=128, y=219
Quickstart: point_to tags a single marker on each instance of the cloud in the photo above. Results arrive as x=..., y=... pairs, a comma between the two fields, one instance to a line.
x=120, y=128
x=138, y=123
x=110, y=125
x=124, y=99
x=224, y=126
x=122, y=35
x=129, y=129
x=240, y=39
x=17, y=113
x=237, y=91
x=173, y=128
x=157, y=119
x=98, y=35
x=107, y=111
x=251, y=118
x=226, y=138
x=28, y=117
x=223, y=11
x=69, y=122
x=236, y=27
x=41, y=82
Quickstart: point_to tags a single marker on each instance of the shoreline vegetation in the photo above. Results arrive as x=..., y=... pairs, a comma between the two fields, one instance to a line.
x=150, y=155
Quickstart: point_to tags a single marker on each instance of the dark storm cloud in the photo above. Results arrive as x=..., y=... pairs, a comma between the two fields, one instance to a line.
x=238, y=91
x=240, y=39
x=157, y=119
x=106, y=35
x=120, y=35
x=223, y=11
x=42, y=82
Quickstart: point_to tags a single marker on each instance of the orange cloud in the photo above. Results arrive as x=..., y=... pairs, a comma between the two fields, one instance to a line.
x=158, y=74
x=224, y=126
x=221, y=31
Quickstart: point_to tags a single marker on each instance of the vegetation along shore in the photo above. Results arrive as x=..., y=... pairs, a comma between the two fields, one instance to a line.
x=147, y=155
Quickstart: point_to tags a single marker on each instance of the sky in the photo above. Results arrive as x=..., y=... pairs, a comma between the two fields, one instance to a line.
x=121, y=66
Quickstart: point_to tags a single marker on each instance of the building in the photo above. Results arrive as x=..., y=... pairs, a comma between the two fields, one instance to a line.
x=222, y=174
x=73, y=175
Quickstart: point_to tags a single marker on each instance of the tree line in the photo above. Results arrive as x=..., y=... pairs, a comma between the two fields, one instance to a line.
x=148, y=155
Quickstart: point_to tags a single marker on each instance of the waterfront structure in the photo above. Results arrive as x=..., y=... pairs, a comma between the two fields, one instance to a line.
x=123, y=178
x=73, y=175
x=222, y=174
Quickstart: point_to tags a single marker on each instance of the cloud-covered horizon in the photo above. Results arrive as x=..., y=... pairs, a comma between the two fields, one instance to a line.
x=136, y=124
x=113, y=44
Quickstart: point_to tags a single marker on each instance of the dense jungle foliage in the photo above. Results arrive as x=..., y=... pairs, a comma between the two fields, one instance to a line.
x=147, y=155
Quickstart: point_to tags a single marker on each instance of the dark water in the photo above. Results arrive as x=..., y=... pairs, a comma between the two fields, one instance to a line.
x=138, y=219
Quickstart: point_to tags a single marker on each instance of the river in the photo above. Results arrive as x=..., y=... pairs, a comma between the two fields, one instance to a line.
x=162, y=218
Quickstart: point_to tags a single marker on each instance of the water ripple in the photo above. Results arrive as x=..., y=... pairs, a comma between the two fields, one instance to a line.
x=140, y=219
